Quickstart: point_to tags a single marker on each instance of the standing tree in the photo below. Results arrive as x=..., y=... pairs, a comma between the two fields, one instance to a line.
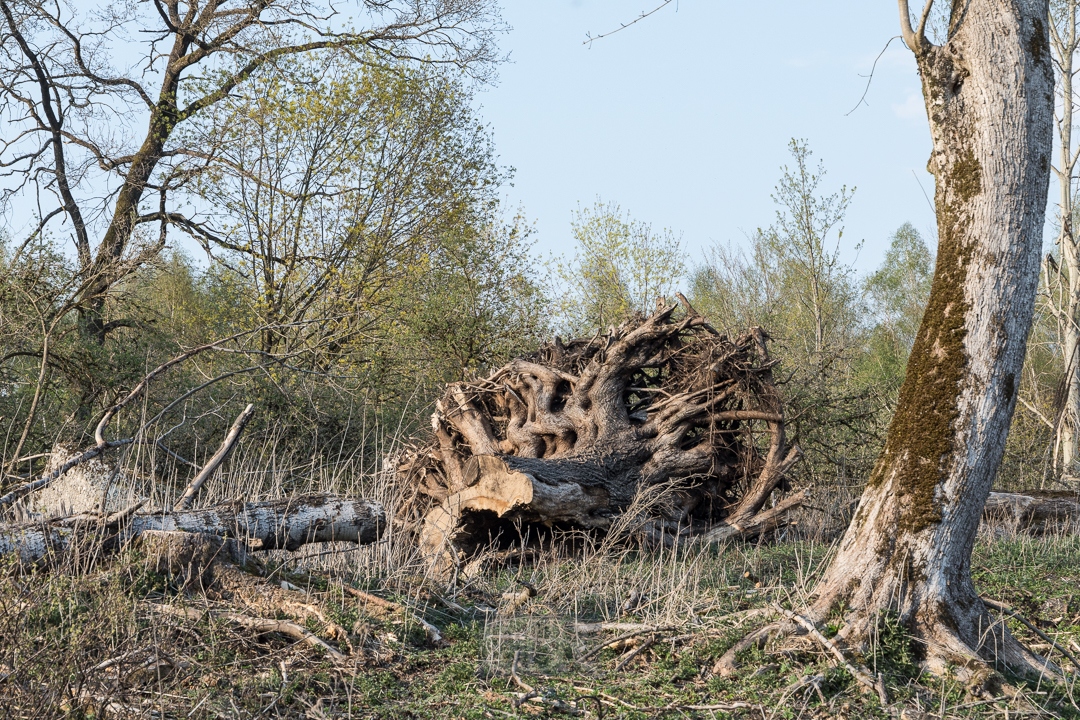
x=896, y=296
x=622, y=266
x=98, y=149
x=794, y=281
x=332, y=183
x=1063, y=279
x=989, y=100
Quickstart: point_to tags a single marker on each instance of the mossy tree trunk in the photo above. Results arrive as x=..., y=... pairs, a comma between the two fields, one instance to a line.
x=989, y=101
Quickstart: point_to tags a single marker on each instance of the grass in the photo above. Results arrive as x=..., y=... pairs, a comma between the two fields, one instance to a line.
x=89, y=642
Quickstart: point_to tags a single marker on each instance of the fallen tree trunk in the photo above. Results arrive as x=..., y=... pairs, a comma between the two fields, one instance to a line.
x=662, y=418
x=276, y=524
x=1035, y=512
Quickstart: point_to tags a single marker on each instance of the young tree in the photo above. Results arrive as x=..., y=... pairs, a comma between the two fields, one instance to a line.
x=331, y=183
x=1063, y=279
x=622, y=266
x=472, y=303
x=989, y=100
x=896, y=296
x=794, y=283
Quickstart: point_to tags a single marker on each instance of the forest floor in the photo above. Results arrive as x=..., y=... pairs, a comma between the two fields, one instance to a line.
x=100, y=642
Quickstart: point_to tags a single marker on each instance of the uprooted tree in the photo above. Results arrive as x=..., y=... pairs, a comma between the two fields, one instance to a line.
x=568, y=436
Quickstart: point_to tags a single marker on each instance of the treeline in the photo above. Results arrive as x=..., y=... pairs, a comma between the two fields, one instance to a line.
x=353, y=256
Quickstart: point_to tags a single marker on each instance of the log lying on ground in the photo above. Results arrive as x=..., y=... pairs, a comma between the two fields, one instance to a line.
x=569, y=436
x=1036, y=512
x=276, y=524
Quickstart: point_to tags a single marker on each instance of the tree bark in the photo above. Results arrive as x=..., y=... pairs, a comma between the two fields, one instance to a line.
x=662, y=418
x=989, y=100
x=1066, y=306
x=277, y=524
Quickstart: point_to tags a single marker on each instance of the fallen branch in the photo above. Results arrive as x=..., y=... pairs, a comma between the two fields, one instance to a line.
x=259, y=625
x=634, y=652
x=861, y=674
x=277, y=524
x=38, y=484
x=647, y=631
x=1016, y=615
x=219, y=457
x=1034, y=512
x=430, y=630
x=586, y=628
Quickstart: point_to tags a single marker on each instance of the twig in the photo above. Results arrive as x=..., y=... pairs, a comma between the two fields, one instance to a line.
x=513, y=674
x=860, y=674
x=635, y=652
x=870, y=78
x=259, y=625
x=588, y=628
x=431, y=630
x=1012, y=612
x=219, y=457
x=651, y=630
x=623, y=26
x=608, y=699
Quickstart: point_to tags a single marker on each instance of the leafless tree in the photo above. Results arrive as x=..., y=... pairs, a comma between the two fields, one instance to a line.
x=1063, y=278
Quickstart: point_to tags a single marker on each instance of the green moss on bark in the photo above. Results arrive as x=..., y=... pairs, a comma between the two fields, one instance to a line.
x=921, y=437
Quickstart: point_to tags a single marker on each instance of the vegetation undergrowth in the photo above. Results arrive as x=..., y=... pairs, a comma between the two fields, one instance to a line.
x=92, y=641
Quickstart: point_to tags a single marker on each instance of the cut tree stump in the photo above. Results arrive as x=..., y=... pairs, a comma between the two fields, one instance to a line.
x=276, y=524
x=662, y=422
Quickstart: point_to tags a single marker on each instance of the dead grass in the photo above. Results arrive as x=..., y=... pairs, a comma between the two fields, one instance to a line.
x=91, y=641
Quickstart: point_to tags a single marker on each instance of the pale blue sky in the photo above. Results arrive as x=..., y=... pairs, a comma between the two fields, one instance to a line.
x=684, y=118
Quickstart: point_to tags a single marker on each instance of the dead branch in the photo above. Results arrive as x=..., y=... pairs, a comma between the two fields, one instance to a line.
x=277, y=524
x=219, y=457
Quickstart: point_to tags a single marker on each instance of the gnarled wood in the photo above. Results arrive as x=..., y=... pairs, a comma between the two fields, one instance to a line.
x=568, y=437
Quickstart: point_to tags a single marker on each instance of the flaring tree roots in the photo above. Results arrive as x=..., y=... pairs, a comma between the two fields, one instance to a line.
x=574, y=435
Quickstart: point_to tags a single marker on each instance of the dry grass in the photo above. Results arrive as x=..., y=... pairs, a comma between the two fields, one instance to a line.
x=87, y=641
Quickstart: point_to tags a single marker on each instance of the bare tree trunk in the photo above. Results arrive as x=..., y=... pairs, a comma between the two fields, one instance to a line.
x=277, y=524
x=1066, y=305
x=989, y=99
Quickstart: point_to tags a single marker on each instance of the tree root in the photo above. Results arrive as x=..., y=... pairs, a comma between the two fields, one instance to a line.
x=1016, y=615
x=571, y=436
x=860, y=673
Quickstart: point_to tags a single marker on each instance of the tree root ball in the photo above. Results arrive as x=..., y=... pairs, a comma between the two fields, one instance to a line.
x=662, y=422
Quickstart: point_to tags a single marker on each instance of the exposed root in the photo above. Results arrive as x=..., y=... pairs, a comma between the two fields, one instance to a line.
x=727, y=665
x=860, y=673
x=567, y=437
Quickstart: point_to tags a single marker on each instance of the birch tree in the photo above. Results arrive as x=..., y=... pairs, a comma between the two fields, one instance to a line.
x=1063, y=279
x=989, y=100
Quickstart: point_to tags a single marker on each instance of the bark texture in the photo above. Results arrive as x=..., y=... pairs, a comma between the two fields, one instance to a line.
x=989, y=100
x=570, y=435
x=278, y=524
